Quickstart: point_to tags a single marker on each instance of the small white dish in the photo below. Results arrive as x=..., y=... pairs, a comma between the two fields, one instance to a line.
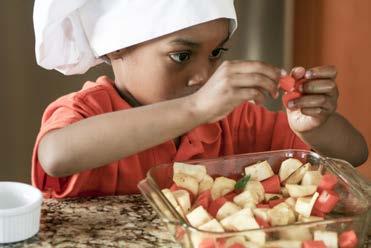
x=20, y=207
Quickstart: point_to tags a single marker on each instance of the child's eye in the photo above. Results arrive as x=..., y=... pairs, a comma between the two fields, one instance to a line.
x=180, y=57
x=217, y=53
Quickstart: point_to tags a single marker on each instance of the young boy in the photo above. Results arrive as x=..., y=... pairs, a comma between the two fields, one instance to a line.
x=172, y=99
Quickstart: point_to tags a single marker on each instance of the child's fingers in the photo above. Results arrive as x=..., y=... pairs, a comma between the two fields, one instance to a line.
x=327, y=71
x=322, y=86
x=314, y=112
x=240, y=66
x=298, y=72
x=313, y=101
x=255, y=80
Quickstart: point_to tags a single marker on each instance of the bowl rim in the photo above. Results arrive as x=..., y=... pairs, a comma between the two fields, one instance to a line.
x=148, y=179
x=29, y=206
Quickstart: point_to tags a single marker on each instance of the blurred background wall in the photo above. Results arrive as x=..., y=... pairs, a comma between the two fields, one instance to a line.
x=280, y=32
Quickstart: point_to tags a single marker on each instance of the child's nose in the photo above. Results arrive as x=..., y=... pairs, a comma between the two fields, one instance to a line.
x=201, y=76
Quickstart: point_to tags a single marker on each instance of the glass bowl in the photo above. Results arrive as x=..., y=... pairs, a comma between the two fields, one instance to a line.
x=351, y=212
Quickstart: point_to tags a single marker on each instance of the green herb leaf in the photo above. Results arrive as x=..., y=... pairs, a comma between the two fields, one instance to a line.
x=242, y=182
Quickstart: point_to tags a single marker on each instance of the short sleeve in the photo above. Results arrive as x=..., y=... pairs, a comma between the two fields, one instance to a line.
x=61, y=113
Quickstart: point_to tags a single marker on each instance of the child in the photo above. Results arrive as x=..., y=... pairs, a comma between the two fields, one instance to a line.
x=172, y=98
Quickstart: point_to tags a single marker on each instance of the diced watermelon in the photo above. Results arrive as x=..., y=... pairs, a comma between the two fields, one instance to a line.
x=230, y=196
x=236, y=245
x=207, y=243
x=262, y=223
x=327, y=182
x=262, y=205
x=203, y=199
x=273, y=203
x=326, y=201
x=287, y=83
x=175, y=187
x=348, y=239
x=216, y=205
x=313, y=244
x=272, y=185
x=316, y=212
x=290, y=96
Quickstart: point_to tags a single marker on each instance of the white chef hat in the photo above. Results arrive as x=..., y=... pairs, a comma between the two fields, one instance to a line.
x=72, y=35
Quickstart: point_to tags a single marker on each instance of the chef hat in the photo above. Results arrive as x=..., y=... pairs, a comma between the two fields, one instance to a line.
x=72, y=35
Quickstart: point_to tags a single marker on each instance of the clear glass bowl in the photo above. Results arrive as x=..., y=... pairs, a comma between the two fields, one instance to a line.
x=352, y=211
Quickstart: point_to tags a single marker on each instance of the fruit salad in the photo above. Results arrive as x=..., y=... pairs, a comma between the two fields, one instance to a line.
x=256, y=200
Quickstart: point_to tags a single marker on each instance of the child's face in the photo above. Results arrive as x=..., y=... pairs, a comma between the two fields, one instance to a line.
x=171, y=66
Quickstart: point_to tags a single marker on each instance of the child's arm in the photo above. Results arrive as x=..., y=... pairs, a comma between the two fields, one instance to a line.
x=101, y=139
x=314, y=119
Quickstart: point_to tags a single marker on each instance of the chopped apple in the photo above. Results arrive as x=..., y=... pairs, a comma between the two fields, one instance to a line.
x=288, y=167
x=297, y=176
x=283, y=244
x=162, y=207
x=291, y=202
x=171, y=198
x=257, y=237
x=296, y=233
x=261, y=213
x=222, y=186
x=268, y=197
x=281, y=214
x=245, y=197
x=239, y=221
x=186, y=182
x=193, y=170
x=183, y=199
x=329, y=238
x=256, y=188
x=212, y=226
x=304, y=205
x=250, y=205
x=198, y=216
x=259, y=171
x=205, y=184
x=311, y=178
x=300, y=190
x=226, y=210
x=302, y=218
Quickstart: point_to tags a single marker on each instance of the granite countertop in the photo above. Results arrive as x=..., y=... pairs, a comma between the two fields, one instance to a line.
x=114, y=221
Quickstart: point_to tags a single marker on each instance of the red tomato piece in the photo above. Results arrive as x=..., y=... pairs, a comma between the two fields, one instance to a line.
x=313, y=244
x=203, y=199
x=262, y=205
x=236, y=245
x=207, y=243
x=230, y=196
x=216, y=205
x=290, y=96
x=327, y=182
x=272, y=185
x=316, y=212
x=273, y=203
x=287, y=83
x=262, y=223
x=348, y=239
x=179, y=233
x=326, y=201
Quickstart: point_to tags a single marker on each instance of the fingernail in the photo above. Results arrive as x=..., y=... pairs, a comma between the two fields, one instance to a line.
x=308, y=74
x=290, y=104
x=283, y=72
x=276, y=95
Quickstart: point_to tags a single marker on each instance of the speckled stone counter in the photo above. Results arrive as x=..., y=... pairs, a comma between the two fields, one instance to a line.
x=115, y=221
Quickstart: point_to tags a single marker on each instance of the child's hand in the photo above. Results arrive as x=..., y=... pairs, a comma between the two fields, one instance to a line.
x=319, y=99
x=233, y=83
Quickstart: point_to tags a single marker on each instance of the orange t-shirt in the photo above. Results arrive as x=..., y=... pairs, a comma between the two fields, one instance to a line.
x=249, y=128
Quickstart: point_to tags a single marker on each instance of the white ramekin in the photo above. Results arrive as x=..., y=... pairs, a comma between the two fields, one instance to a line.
x=20, y=207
